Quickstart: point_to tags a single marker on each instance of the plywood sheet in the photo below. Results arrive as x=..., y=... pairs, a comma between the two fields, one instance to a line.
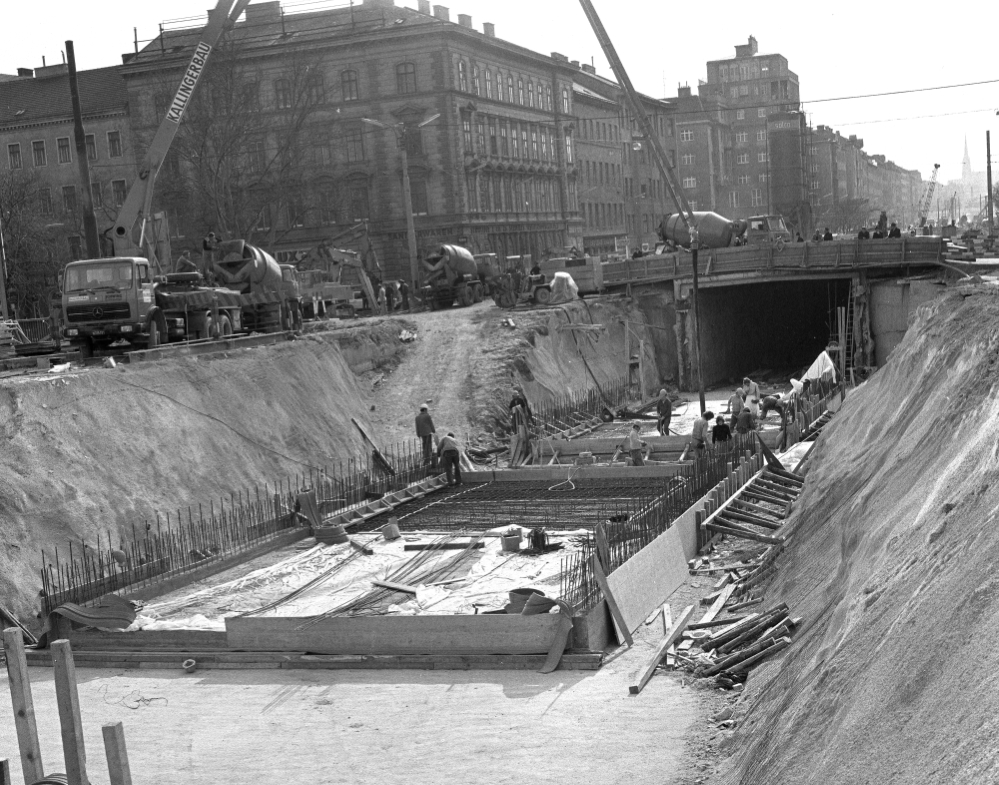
x=481, y=634
x=648, y=578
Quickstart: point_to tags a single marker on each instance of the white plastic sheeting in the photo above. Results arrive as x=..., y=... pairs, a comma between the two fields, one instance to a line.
x=564, y=289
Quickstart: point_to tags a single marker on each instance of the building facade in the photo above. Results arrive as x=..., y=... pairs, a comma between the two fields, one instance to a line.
x=334, y=95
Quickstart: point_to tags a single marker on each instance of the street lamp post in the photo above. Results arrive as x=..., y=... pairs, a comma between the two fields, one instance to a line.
x=407, y=194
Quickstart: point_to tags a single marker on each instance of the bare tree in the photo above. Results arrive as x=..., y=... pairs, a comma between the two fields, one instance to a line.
x=35, y=254
x=254, y=156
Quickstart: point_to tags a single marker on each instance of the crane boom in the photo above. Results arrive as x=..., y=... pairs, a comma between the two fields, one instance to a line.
x=927, y=200
x=138, y=202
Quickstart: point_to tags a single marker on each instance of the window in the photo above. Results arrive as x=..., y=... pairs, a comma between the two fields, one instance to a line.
x=509, y=89
x=473, y=194
x=480, y=137
x=644, y=190
x=815, y=185
x=357, y=200
x=761, y=136
x=45, y=201
x=742, y=137
x=740, y=114
x=282, y=94
x=114, y=144
x=743, y=179
x=568, y=149
x=14, y=155
x=763, y=178
x=530, y=94
x=544, y=146
x=690, y=182
x=462, y=76
x=534, y=144
x=765, y=68
x=761, y=157
x=693, y=204
x=405, y=78
x=62, y=147
x=256, y=156
x=565, y=101
x=733, y=199
x=475, y=80
x=515, y=140
x=733, y=91
x=548, y=97
x=686, y=135
x=520, y=92
x=348, y=85
x=757, y=197
x=540, y=101
x=118, y=192
x=742, y=158
x=353, y=145
x=97, y=194
x=91, y=148
x=761, y=112
x=504, y=141
x=69, y=198
x=493, y=143
x=743, y=89
x=466, y=135
x=296, y=213
x=489, y=84
x=687, y=159
x=413, y=139
x=38, y=153
x=251, y=97
x=523, y=139
x=327, y=207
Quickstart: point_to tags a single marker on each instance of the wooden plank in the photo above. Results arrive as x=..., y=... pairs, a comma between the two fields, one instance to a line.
x=5, y=772
x=403, y=587
x=70, y=721
x=649, y=577
x=174, y=640
x=117, y=756
x=445, y=546
x=748, y=535
x=623, y=629
x=668, y=640
x=459, y=634
x=23, y=706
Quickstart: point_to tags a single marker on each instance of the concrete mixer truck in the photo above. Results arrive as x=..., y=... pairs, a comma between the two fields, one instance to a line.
x=118, y=304
x=716, y=231
x=451, y=276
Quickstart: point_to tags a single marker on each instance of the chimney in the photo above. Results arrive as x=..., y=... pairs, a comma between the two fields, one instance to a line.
x=753, y=46
x=441, y=12
x=489, y=30
x=574, y=63
x=425, y=7
x=464, y=20
x=49, y=71
x=683, y=92
x=588, y=68
x=558, y=57
x=25, y=72
x=264, y=12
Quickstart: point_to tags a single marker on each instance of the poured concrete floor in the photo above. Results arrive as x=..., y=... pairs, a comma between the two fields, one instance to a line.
x=407, y=727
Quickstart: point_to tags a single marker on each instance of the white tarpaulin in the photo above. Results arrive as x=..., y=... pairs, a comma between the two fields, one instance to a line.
x=564, y=289
x=822, y=370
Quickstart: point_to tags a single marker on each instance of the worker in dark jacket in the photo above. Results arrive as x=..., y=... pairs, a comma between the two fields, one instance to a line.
x=449, y=452
x=664, y=410
x=519, y=400
x=827, y=235
x=425, y=432
x=721, y=432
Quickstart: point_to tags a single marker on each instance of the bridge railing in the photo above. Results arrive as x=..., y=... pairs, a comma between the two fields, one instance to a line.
x=837, y=254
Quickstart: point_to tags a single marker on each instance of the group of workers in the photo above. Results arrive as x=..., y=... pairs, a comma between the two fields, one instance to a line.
x=447, y=451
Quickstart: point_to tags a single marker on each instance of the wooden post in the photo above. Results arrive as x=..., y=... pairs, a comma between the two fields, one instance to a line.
x=641, y=369
x=114, y=749
x=5, y=772
x=24, y=709
x=68, y=700
x=611, y=602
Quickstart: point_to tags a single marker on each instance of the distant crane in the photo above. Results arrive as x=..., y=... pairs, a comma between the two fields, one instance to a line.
x=927, y=200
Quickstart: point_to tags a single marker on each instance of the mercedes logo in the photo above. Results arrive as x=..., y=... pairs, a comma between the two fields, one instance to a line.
x=98, y=312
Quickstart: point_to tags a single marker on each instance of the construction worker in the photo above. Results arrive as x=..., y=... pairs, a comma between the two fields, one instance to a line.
x=736, y=404
x=746, y=422
x=894, y=232
x=752, y=392
x=700, y=434
x=519, y=400
x=827, y=235
x=450, y=452
x=633, y=443
x=404, y=294
x=721, y=432
x=664, y=410
x=426, y=432
x=185, y=264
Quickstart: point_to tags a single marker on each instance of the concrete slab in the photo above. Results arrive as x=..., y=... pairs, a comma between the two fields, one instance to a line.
x=402, y=727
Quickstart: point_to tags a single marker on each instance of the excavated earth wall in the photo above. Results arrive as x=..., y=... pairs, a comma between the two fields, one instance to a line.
x=892, y=565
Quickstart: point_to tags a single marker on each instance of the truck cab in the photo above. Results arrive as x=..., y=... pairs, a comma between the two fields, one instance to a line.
x=766, y=230
x=106, y=301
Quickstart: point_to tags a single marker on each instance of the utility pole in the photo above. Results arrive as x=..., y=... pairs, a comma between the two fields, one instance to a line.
x=407, y=201
x=988, y=158
x=82, y=160
x=668, y=175
x=3, y=272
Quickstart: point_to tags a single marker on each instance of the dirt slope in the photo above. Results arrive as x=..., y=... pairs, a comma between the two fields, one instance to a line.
x=893, y=567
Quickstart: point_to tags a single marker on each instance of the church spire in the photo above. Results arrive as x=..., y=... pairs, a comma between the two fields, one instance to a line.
x=966, y=173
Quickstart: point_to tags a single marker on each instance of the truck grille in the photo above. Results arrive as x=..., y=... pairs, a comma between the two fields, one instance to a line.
x=97, y=312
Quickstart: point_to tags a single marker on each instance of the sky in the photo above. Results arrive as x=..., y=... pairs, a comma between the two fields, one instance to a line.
x=840, y=51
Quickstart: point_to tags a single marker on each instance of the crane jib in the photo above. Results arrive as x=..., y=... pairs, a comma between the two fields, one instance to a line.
x=188, y=83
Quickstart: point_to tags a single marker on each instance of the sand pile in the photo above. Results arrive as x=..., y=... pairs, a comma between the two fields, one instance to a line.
x=96, y=451
x=893, y=566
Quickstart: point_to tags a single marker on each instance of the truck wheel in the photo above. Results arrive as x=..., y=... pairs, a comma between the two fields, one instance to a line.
x=225, y=326
x=154, y=334
x=542, y=295
x=465, y=296
x=477, y=293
